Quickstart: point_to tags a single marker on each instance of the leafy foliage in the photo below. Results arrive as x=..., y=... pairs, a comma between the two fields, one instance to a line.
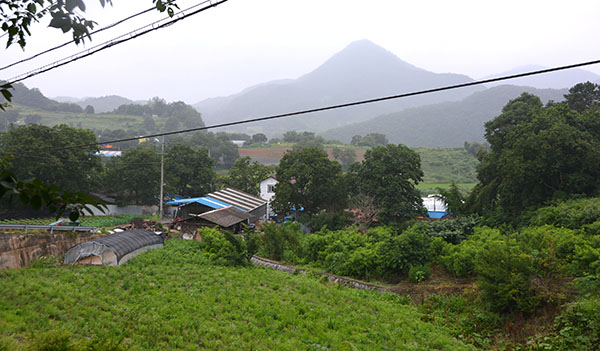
x=189, y=172
x=74, y=168
x=246, y=175
x=138, y=172
x=173, y=298
x=397, y=169
x=537, y=154
x=309, y=180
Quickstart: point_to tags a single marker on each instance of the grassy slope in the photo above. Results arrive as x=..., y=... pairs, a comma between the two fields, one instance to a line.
x=440, y=165
x=88, y=121
x=171, y=299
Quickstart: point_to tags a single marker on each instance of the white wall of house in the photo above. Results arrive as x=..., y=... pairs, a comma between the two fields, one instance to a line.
x=267, y=193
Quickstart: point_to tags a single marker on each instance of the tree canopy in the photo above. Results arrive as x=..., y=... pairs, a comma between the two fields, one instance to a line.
x=538, y=154
x=309, y=180
x=189, y=172
x=389, y=174
x=246, y=175
x=135, y=176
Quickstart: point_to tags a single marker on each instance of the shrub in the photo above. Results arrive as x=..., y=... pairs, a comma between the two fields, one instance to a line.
x=222, y=247
x=398, y=253
x=570, y=214
x=418, y=274
x=504, y=273
x=578, y=326
x=453, y=231
x=279, y=239
x=54, y=340
x=331, y=221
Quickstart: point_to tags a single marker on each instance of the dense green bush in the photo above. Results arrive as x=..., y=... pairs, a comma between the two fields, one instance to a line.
x=325, y=220
x=578, y=326
x=400, y=252
x=453, y=231
x=222, y=247
x=460, y=259
x=504, y=273
x=572, y=214
x=418, y=274
x=282, y=242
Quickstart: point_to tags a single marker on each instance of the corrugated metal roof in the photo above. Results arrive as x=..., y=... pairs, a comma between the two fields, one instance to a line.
x=238, y=198
x=128, y=241
x=225, y=217
x=206, y=201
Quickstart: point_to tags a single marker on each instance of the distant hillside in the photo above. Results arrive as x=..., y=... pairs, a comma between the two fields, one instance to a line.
x=447, y=124
x=362, y=70
x=554, y=80
x=101, y=104
x=34, y=98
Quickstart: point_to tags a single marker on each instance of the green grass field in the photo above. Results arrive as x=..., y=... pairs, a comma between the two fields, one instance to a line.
x=431, y=188
x=100, y=121
x=172, y=299
x=88, y=221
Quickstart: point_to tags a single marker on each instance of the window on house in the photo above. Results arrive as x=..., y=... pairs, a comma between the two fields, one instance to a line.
x=270, y=188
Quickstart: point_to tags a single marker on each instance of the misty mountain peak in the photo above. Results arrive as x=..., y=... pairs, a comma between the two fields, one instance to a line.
x=362, y=56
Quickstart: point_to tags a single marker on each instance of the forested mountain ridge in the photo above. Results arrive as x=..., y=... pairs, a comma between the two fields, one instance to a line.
x=447, y=124
x=362, y=70
x=554, y=80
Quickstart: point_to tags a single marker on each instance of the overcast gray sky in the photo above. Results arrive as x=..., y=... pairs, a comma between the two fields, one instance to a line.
x=245, y=42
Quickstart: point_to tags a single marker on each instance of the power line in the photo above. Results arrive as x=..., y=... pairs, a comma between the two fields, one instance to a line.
x=116, y=41
x=72, y=41
x=332, y=107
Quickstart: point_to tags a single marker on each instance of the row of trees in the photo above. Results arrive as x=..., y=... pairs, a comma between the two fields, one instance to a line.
x=68, y=158
x=308, y=180
x=539, y=154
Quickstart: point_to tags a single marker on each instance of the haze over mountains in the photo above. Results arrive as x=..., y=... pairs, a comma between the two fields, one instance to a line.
x=447, y=124
x=362, y=71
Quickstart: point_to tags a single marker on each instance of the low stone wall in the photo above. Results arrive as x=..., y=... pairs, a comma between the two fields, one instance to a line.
x=19, y=250
x=353, y=283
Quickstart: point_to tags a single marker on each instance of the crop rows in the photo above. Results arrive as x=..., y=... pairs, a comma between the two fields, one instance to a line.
x=91, y=221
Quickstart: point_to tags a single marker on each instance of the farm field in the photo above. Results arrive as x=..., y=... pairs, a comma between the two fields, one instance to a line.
x=440, y=165
x=88, y=221
x=172, y=299
x=99, y=121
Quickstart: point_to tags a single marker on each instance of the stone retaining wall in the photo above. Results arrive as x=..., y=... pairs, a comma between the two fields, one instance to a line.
x=19, y=250
x=357, y=284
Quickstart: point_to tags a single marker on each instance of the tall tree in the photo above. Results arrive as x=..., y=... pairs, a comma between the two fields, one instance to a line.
x=309, y=180
x=583, y=96
x=543, y=154
x=44, y=153
x=345, y=156
x=135, y=176
x=189, y=172
x=246, y=175
x=389, y=174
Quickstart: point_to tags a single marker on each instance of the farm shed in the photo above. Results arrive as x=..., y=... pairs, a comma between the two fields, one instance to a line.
x=114, y=249
x=256, y=206
x=228, y=218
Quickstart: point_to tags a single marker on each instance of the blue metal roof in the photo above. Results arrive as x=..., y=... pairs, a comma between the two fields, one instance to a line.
x=437, y=214
x=205, y=200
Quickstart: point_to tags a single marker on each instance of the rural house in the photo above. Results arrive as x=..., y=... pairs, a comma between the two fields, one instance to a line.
x=267, y=193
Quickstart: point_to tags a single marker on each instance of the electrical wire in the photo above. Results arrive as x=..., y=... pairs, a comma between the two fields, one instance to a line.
x=331, y=107
x=181, y=15
x=72, y=41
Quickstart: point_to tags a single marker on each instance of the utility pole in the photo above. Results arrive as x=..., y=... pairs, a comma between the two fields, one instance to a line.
x=162, y=176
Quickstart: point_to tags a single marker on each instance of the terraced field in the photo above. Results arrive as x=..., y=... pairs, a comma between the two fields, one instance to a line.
x=173, y=299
